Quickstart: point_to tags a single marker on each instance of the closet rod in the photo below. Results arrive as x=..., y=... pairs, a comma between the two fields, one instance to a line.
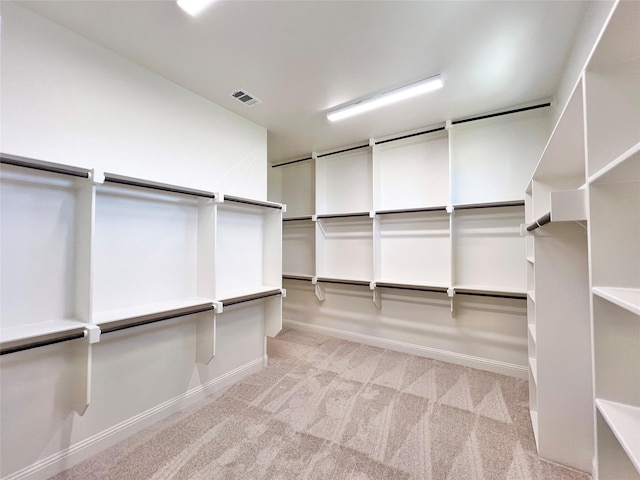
x=165, y=188
x=247, y=201
x=343, y=215
x=511, y=296
x=42, y=343
x=124, y=326
x=469, y=206
x=499, y=114
x=343, y=282
x=416, y=288
x=543, y=220
x=249, y=298
x=291, y=162
x=44, y=166
x=344, y=150
x=302, y=278
x=412, y=210
x=294, y=219
x=402, y=137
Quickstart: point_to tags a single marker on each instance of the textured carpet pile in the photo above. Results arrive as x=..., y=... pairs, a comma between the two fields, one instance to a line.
x=331, y=409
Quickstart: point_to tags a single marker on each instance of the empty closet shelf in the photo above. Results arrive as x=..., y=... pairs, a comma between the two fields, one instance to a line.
x=33, y=335
x=344, y=281
x=302, y=278
x=408, y=286
x=342, y=215
x=164, y=187
x=624, y=421
x=412, y=210
x=243, y=297
x=498, y=292
x=627, y=298
x=44, y=166
x=249, y=201
x=119, y=319
x=470, y=206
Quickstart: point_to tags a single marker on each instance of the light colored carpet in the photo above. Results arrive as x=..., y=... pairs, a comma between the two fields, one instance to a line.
x=330, y=409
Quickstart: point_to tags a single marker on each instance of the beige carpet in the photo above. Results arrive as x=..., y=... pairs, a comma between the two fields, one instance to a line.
x=330, y=409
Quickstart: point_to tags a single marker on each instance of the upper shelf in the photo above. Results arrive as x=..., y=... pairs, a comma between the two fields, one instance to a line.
x=564, y=155
x=625, y=168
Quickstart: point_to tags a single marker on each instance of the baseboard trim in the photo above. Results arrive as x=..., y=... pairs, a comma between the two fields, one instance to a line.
x=495, y=366
x=78, y=452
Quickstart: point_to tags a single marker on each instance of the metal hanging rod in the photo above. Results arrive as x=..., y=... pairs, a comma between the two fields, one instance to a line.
x=248, y=201
x=339, y=281
x=42, y=343
x=417, y=288
x=543, y=220
x=344, y=150
x=402, y=137
x=249, y=298
x=296, y=219
x=291, y=162
x=302, y=278
x=43, y=166
x=412, y=210
x=112, y=178
x=511, y=296
x=138, y=323
x=499, y=114
x=469, y=206
x=343, y=215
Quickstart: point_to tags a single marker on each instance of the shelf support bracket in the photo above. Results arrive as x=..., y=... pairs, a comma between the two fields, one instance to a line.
x=206, y=338
x=91, y=336
x=377, y=297
x=319, y=289
x=451, y=292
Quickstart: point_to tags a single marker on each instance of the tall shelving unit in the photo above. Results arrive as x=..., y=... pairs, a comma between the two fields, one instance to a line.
x=392, y=213
x=584, y=265
x=612, y=91
x=87, y=253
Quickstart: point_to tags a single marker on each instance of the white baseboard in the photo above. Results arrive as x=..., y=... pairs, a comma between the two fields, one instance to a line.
x=74, y=454
x=495, y=366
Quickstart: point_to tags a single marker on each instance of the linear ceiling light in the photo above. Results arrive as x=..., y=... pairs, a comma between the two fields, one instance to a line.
x=194, y=7
x=382, y=99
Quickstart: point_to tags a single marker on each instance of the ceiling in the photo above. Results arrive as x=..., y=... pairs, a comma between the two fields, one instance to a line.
x=301, y=58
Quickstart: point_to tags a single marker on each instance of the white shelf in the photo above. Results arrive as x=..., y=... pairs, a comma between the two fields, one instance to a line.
x=624, y=421
x=533, y=364
x=226, y=296
x=489, y=289
x=531, y=260
x=625, y=168
x=143, y=312
x=627, y=298
x=35, y=330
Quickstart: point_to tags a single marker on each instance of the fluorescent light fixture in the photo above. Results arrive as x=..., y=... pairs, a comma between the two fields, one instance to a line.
x=392, y=96
x=194, y=7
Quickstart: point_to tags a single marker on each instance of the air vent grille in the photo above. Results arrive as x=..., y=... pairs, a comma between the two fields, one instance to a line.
x=245, y=98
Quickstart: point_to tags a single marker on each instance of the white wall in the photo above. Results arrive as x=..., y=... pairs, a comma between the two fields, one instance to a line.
x=65, y=99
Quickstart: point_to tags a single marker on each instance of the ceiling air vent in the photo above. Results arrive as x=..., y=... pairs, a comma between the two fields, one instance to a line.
x=245, y=97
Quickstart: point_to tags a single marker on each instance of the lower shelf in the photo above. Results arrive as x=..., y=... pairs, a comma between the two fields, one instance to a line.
x=533, y=364
x=627, y=298
x=624, y=421
x=14, y=335
x=534, y=424
x=142, y=312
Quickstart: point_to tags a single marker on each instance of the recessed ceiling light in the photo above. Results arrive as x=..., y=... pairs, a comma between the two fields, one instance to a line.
x=382, y=99
x=194, y=7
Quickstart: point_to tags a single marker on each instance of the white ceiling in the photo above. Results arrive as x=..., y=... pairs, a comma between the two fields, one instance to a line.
x=304, y=57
